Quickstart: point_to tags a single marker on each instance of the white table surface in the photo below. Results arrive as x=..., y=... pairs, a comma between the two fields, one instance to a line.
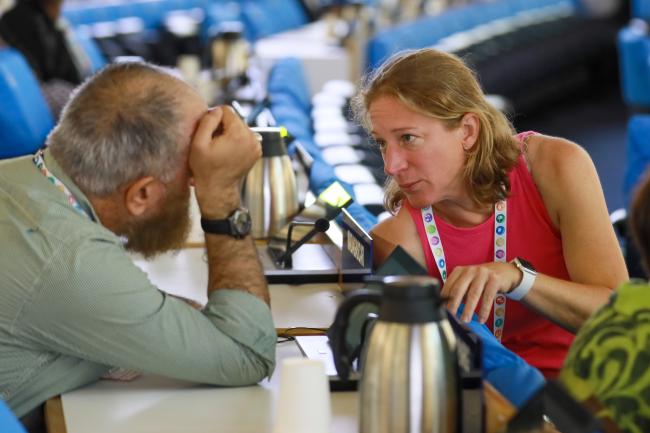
x=159, y=404
x=154, y=404
x=185, y=273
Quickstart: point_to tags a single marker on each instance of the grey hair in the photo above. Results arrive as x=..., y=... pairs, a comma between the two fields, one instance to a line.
x=118, y=126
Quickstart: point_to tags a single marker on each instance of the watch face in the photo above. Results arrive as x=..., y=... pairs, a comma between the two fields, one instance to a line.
x=526, y=264
x=241, y=222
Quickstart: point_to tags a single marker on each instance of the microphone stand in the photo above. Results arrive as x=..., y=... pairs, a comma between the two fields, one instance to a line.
x=321, y=225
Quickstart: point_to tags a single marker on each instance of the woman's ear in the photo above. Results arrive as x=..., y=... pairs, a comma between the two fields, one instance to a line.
x=470, y=126
x=143, y=195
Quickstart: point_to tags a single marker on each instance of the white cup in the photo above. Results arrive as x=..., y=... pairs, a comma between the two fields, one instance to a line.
x=303, y=404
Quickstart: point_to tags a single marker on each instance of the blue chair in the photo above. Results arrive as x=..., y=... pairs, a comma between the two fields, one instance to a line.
x=90, y=48
x=25, y=119
x=8, y=421
x=641, y=9
x=266, y=17
x=633, y=55
x=638, y=153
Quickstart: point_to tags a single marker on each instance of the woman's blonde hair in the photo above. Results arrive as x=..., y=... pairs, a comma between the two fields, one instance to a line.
x=440, y=85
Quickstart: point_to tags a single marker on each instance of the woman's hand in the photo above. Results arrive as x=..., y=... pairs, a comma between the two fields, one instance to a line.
x=471, y=284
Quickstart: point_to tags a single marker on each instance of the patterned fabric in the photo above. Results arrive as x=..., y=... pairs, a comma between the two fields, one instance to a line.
x=610, y=359
x=73, y=304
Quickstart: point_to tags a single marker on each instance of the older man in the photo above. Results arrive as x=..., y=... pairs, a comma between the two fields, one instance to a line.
x=116, y=176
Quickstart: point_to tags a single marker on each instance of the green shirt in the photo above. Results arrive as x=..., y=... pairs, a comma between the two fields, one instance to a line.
x=609, y=359
x=73, y=305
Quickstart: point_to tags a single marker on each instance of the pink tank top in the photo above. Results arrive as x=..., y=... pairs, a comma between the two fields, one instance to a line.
x=531, y=235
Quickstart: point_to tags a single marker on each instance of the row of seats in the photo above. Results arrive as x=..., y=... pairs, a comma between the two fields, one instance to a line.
x=261, y=18
x=530, y=52
x=291, y=106
x=487, y=19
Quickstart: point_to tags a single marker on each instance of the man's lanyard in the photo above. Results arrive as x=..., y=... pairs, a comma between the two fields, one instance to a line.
x=435, y=243
x=39, y=161
x=115, y=373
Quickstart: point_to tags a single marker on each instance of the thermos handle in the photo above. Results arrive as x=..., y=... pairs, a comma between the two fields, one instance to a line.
x=336, y=333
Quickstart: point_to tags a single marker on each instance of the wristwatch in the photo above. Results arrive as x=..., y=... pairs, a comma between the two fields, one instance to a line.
x=527, y=280
x=238, y=224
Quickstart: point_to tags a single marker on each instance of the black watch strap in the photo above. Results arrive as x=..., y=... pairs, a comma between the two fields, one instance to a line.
x=237, y=225
x=218, y=227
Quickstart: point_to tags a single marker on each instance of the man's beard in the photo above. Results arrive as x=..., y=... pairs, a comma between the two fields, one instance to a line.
x=167, y=230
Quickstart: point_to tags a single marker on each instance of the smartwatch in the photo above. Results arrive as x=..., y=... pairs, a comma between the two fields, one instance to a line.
x=527, y=280
x=238, y=224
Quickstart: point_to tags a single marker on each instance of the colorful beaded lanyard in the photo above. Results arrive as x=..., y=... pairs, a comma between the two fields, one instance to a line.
x=40, y=164
x=435, y=243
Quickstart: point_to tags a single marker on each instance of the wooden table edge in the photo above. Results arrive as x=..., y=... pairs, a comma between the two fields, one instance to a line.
x=54, y=418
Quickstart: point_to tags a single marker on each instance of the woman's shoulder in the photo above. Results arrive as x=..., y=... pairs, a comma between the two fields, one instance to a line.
x=556, y=163
x=561, y=170
x=392, y=226
x=554, y=154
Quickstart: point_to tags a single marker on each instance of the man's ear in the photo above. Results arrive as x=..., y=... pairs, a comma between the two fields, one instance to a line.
x=470, y=126
x=143, y=195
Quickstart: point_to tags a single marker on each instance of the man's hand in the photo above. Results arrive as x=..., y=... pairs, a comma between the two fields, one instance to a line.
x=223, y=150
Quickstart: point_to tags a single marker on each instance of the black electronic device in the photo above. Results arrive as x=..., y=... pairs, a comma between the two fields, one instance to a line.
x=356, y=250
x=399, y=262
x=285, y=260
x=298, y=262
x=553, y=404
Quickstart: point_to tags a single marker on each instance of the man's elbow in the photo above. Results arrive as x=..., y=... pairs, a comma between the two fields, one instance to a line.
x=251, y=368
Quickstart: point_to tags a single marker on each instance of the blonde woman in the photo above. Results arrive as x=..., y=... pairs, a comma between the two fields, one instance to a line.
x=515, y=225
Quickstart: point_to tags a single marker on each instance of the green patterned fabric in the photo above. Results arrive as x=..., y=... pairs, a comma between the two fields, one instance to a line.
x=610, y=359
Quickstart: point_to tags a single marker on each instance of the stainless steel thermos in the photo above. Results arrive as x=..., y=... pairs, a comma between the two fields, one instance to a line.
x=270, y=192
x=409, y=374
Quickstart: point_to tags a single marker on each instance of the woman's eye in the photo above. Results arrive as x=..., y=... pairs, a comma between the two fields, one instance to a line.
x=408, y=138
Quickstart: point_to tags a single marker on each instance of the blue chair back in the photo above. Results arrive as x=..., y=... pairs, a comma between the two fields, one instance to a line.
x=266, y=17
x=8, y=421
x=641, y=9
x=633, y=51
x=25, y=119
x=638, y=153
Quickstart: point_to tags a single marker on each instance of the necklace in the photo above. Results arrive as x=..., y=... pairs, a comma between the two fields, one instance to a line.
x=39, y=161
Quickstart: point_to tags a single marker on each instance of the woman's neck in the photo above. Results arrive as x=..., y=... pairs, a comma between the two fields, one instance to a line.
x=463, y=213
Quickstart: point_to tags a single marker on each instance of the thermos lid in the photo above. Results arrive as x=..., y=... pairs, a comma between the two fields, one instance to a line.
x=228, y=30
x=272, y=141
x=411, y=299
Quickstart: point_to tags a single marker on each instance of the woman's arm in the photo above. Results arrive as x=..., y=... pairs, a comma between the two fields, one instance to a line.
x=567, y=180
x=396, y=230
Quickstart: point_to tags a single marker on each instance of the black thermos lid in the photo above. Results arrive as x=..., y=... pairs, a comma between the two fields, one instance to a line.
x=272, y=141
x=411, y=299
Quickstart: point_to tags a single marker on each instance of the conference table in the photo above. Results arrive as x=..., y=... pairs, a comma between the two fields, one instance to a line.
x=159, y=404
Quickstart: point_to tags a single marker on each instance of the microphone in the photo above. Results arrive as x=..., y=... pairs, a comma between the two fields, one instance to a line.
x=321, y=225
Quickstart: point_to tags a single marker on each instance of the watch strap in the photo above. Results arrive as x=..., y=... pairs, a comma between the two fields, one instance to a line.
x=219, y=227
x=527, y=281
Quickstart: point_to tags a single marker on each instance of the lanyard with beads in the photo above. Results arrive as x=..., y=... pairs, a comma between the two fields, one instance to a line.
x=435, y=243
x=39, y=161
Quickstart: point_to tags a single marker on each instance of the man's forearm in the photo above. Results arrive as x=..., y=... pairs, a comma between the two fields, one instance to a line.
x=233, y=264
